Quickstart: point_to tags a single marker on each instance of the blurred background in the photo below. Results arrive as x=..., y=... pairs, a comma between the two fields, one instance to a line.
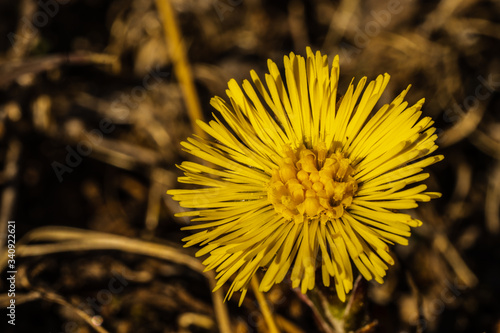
x=95, y=97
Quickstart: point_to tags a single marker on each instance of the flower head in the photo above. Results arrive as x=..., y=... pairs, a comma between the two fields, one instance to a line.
x=298, y=180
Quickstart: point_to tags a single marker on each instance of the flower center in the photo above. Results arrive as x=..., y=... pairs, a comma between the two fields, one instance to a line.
x=309, y=185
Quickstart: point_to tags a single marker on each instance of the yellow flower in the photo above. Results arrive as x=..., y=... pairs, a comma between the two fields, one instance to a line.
x=297, y=180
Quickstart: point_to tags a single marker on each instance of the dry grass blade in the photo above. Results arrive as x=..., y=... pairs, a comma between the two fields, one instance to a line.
x=442, y=243
x=20, y=298
x=492, y=204
x=341, y=20
x=464, y=127
x=8, y=196
x=11, y=71
x=486, y=144
x=181, y=63
x=52, y=297
x=266, y=312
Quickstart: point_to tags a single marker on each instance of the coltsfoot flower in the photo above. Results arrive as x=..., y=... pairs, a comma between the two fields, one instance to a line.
x=297, y=181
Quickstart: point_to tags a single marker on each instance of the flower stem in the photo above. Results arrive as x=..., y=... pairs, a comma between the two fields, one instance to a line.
x=266, y=312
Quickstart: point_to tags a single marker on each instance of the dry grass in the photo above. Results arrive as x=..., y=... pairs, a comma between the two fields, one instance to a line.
x=111, y=79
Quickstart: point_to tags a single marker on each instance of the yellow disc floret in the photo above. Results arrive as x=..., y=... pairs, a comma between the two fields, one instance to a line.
x=309, y=185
